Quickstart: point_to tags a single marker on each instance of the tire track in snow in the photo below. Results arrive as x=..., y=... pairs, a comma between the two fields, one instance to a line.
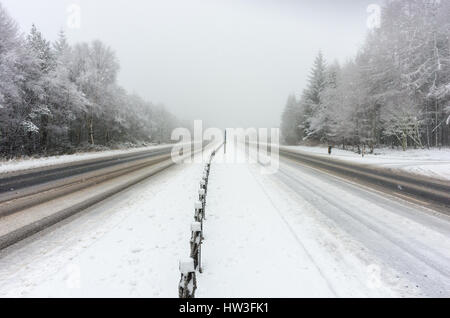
x=297, y=239
x=405, y=255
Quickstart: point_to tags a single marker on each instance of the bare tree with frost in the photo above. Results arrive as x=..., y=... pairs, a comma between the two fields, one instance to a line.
x=57, y=98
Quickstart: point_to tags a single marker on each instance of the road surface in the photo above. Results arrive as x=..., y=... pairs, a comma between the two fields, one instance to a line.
x=301, y=232
x=20, y=181
x=126, y=246
x=305, y=233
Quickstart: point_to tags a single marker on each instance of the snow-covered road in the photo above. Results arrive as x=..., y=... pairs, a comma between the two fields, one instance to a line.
x=248, y=251
x=298, y=233
x=128, y=246
x=409, y=244
x=305, y=233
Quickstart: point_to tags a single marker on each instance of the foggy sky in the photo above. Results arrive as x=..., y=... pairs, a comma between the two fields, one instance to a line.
x=232, y=63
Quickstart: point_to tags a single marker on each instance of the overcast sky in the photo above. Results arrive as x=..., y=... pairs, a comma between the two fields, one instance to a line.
x=230, y=62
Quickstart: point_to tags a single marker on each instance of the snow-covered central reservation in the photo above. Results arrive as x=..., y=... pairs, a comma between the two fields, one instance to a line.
x=297, y=233
x=434, y=163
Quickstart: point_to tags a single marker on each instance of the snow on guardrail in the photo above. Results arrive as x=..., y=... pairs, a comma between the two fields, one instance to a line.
x=189, y=267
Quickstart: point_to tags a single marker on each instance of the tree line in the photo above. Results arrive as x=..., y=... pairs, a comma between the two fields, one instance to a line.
x=394, y=92
x=57, y=98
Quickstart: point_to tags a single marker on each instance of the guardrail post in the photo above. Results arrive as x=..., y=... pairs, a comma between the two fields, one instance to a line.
x=196, y=245
x=203, y=185
x=202, y=198
x=188, y=281
x=205, y=177
x=198, y=211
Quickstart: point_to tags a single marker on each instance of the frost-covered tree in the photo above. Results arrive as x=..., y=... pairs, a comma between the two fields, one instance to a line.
x=94, y=70
x=311, y=99
x=10, y=73
x=395, y=91
x=68, y=103
x=323, y=118
x=55, y=98
x=289, y=121
x=18, y=71
x=37, y=85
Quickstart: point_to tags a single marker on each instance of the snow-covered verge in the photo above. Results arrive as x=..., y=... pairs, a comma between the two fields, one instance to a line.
x=433, y=163
x=33, y=163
